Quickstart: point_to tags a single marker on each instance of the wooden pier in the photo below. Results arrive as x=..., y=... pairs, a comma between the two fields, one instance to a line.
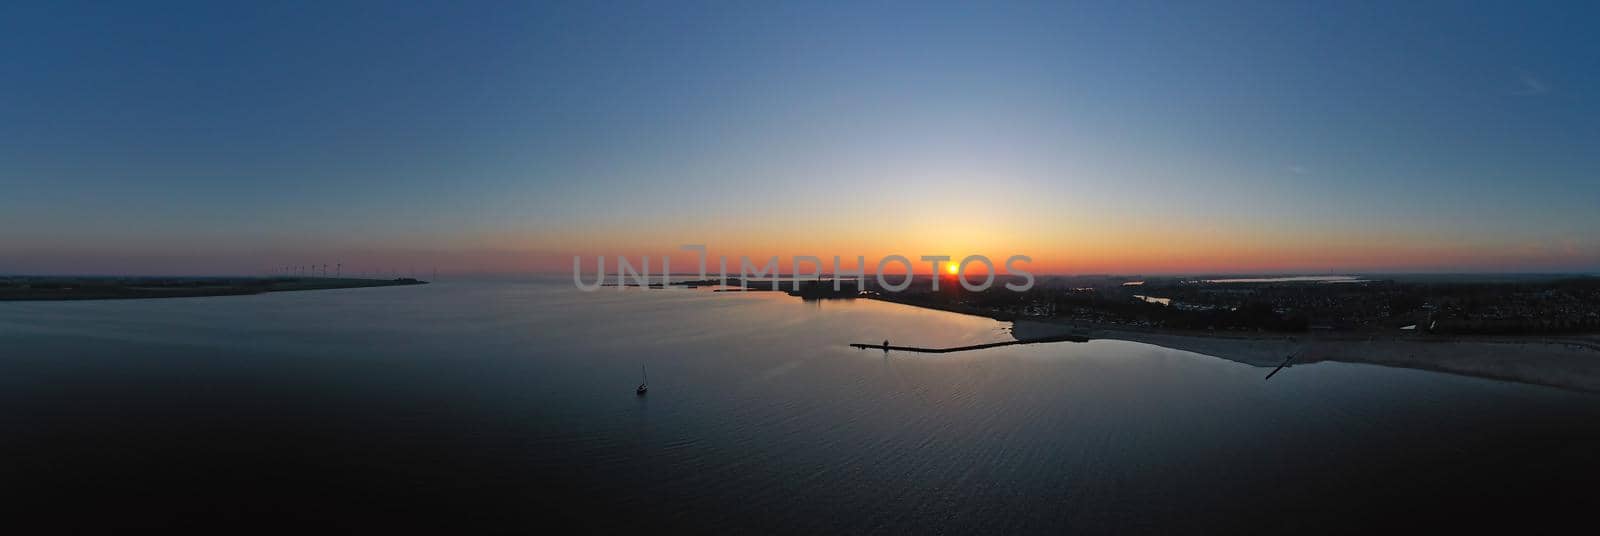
x=918, y=349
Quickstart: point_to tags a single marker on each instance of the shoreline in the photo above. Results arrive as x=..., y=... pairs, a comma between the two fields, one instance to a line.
x=85, y=289
x=1568, y=365
x=1567, y=362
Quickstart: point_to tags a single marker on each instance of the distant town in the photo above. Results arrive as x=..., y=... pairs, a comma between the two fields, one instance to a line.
x=1450, y=304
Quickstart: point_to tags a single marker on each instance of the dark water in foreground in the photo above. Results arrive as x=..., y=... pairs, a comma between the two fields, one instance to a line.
x=509, y=407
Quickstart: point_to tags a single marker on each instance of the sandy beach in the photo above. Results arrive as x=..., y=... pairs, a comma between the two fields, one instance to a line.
x=1566, y=362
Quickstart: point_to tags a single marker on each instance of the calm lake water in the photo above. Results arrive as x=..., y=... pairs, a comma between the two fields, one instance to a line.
x=509, y=406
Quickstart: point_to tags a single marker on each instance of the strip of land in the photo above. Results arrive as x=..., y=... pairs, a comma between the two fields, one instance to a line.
x=1570, y=361
x=126, y=288
x=1567, y=362
x=1060, y=337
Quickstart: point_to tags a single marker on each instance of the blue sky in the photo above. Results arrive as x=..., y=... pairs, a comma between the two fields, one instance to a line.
x=1100, y=136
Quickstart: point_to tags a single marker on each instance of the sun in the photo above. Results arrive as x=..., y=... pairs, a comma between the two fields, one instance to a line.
x=952, y=269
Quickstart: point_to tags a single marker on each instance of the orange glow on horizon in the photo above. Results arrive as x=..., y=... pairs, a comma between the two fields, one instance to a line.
x=1137, y=247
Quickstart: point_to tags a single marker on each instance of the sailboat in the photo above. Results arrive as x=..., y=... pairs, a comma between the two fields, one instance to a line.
x=644, y=386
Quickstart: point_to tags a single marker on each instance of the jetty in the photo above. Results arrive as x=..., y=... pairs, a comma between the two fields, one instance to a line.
x=918, y=349
x=1286, y=361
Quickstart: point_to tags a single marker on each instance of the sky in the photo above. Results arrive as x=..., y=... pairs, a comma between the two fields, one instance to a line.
x=1094, y=137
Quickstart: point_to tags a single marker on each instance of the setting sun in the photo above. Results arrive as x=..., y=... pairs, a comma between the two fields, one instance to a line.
x=952, y=269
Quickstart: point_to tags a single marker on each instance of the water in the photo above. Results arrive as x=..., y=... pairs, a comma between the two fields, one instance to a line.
x=1149, y=299
x=509, y=406
x=1291, y=279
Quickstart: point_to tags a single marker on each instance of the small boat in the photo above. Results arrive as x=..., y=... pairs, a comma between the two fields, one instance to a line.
x=644, y=386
